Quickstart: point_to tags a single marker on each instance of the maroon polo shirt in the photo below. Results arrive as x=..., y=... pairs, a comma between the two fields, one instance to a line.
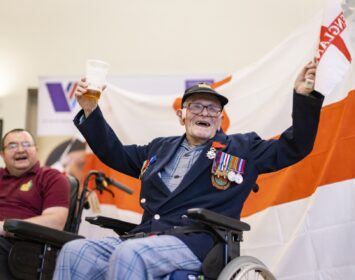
x=28, y=195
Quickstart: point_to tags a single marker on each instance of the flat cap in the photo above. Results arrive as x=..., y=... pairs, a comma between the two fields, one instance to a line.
x=204, y=88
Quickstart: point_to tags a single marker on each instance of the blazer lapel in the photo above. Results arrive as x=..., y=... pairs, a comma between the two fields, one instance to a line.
x=167, y=152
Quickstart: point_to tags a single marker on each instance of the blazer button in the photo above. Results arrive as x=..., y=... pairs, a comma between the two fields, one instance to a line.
x=143, y=200
x=156, y=217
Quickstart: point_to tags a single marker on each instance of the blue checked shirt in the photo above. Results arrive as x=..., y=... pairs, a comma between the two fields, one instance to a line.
x=184, y=158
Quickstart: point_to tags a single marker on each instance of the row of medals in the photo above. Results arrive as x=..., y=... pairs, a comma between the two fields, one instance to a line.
x=231, y=175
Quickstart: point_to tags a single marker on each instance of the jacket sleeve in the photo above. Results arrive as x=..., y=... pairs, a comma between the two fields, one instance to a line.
x=294, y=143
x=107, y=147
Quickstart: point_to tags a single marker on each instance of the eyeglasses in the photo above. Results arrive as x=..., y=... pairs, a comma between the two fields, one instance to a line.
x=15, y=145
x=197, y=108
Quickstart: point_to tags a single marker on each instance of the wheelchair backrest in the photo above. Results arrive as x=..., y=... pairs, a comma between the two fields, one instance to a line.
x=73, y=204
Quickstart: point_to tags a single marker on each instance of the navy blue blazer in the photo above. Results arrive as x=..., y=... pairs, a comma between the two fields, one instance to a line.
x=164, y=209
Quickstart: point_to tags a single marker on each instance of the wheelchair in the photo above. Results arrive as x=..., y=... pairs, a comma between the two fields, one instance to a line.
x=35, y=250
x=223, y=262
x=36, y=247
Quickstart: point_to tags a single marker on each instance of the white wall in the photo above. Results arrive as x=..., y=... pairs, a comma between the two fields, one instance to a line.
x=41, y=37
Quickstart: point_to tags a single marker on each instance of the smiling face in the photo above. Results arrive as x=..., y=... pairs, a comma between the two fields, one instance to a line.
x=200, y=127
x=19, y=152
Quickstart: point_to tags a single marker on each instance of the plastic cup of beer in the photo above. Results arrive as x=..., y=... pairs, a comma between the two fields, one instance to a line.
x=96, y=73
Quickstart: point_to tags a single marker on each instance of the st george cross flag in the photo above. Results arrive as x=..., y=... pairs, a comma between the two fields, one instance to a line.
x=334, y=53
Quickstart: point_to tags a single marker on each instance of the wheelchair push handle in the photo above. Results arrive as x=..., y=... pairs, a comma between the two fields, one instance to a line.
x=102, y=181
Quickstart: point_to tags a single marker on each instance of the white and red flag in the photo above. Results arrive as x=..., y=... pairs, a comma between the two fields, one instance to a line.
x=334, y=52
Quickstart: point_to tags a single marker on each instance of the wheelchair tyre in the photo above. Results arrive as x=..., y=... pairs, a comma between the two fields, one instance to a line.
x=245, y=267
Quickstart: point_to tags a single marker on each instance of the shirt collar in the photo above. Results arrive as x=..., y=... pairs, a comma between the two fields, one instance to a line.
x=33, y=170
x=186, y=145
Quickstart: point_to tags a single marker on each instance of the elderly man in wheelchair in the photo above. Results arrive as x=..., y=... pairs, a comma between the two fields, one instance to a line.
x=204, y=168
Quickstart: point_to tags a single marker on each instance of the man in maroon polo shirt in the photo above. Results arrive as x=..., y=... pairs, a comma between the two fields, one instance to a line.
x=28, y=191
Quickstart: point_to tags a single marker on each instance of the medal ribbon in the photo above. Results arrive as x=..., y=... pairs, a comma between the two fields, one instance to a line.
x=146, y=164
x=224, y=163
x=216, y=161
x=241, y=165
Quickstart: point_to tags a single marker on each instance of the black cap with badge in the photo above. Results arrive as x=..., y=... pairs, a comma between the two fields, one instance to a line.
x=204, y=88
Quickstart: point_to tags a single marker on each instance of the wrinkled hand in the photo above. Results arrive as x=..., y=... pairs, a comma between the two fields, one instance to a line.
x=87, y=103
x=305, y=81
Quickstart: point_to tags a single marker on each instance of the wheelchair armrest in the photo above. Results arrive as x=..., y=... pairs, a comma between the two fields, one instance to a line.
x=213, y=218
x=28, y=231
x=120, y=227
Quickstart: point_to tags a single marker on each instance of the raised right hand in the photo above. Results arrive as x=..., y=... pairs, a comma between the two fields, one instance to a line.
x=87, y=103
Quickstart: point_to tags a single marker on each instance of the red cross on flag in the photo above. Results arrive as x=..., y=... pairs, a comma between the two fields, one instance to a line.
x=334, y=54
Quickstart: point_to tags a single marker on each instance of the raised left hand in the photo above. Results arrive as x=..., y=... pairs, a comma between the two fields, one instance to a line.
x=305, y=81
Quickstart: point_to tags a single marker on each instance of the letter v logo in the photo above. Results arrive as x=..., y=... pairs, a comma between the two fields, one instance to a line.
x=62, y=100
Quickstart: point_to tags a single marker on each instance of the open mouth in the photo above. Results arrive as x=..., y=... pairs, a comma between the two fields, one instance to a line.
x=19, y=158
x=203, y=123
